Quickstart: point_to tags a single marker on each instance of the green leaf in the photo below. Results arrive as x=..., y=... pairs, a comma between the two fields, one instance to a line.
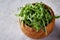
x=57, y=17
x=17, y=15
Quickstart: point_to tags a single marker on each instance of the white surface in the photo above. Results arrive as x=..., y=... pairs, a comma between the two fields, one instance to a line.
x=9, y=27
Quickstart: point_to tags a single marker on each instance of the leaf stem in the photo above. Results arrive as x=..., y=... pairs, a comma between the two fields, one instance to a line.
x=46, y=31
x=57, y=17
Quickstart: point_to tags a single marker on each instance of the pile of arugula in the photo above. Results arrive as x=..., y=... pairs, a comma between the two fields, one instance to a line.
x=36, y=16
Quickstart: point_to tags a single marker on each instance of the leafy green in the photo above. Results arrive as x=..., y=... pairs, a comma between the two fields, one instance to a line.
x=36, y=16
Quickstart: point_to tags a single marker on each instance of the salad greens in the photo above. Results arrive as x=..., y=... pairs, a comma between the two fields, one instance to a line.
x=36, y=16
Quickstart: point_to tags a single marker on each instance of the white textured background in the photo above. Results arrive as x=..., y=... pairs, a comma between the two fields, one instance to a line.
x=9, y=27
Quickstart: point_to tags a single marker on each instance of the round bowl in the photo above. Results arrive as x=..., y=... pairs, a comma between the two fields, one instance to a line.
x=30, y=32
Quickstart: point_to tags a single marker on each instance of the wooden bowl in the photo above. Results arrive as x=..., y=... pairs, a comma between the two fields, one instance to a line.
x=30, y=32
